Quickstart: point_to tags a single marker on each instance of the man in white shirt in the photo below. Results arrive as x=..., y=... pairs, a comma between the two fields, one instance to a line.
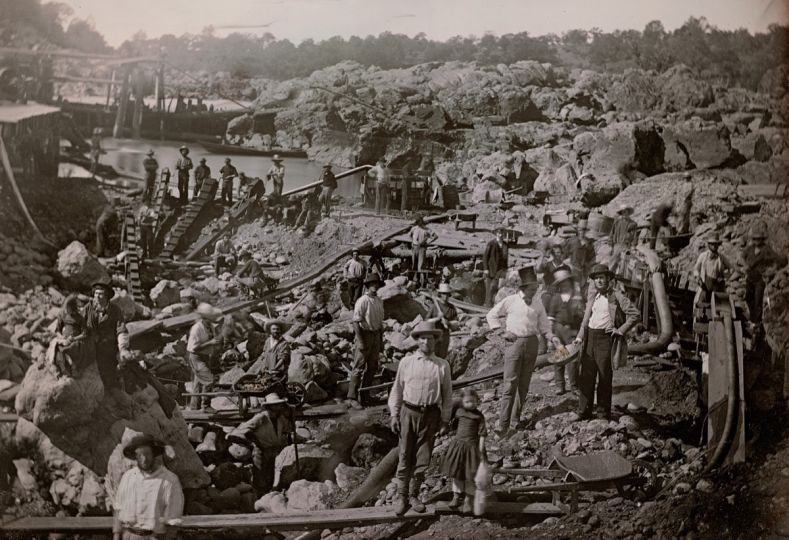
x=381, y=174
x=200, y=347
x=421, y=237
x=277, y=176
x=149, y=495
x=354, y=272
x=710, y=270
x=608, y=317
x=368, y=325
x=525, y=320
x=420, y=403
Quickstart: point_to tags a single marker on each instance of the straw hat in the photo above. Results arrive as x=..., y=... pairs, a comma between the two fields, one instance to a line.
x=143, y=440
x=207, y=311
x=625, y=208
x=443, y=288
x=327, y=166
x=276, y=158
x=183, y=148
x=426, y=328
x=714, y=239
x=561, y=274
x=269, y=323
x=273, y=399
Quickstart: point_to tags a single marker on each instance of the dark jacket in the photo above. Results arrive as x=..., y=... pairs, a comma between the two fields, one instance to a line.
x=496, y=257
x=329, y=180
x=624, y=316
x=756, y=265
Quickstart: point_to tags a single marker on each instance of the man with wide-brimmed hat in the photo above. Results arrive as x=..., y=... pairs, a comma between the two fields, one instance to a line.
x=443, y=313
x=368, y=325
x=328, y=185
x=525, y=321
x=228, y=172
x=710, y=270
x=224, y=255
x=201, y=347
x=104, y=322
x=272, y=364
x=758, y=257
x=421, y=238
x=565, y=310
x=202, y=172
x=151, y=167
x=354, y=273
x=420, y=403
x=608, y=316
x=495, y=262
x=276, y=174
x=183, y=166
x=148, y=496
x=624, y=233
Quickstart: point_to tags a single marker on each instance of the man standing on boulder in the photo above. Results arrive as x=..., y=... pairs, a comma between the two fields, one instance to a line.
x=104, y=322
x=151, y=167
x=368, y=325
x=354, y=275
x=608, y=317
x=494, y=265
x=421, y=237
x=149, y=495
x=525, y=319
x=183, y=166
x=421, y=405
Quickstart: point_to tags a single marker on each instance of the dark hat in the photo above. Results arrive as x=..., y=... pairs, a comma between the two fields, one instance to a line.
x=143, y=440
x=103, y=285
x=426, y=328
x=150, y=152
x=527, y=276
x=600, y=269
x=202, y=160
x=373, y=278
x=563, y=273
x=327, y=166
x=714, y=239
x=227, y=160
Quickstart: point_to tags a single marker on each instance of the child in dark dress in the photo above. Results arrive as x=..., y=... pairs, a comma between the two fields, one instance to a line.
x=465, y=451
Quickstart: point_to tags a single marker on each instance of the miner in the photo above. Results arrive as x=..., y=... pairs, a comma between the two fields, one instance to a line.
x=495, y=261
x=151, y=167
x=368, y=325
x=444, y=313
x=758, y=257
x=200, y=347
x=525, y=321
x=224, y=255
x=272, y=364
x=277, y=176
x=183, y=166
x=547, y=265
x=148, y=496
x=420, y=404
x=624, y=234
x=228, y=172
x=310, y=207
x=104, y=322
x=328, y=185
x=710, y=271
x=609, y=315
x=565, y=310
x=202, y=173
x=381, y=174
x=354, y=273
x=421, y=238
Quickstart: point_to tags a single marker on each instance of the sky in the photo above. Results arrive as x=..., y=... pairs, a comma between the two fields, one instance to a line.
x=297, y=20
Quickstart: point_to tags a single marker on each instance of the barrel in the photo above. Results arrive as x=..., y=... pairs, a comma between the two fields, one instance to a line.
x=599, y=225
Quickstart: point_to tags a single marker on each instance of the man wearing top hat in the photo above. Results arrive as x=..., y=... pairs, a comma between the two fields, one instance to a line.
x=420, y=404
x=495, y=261
x=608, y=316
x=710, y=270
x=328, y=185
x=151, y=167
x=183, y=166
x=200, y=347
x=758, y=257
x=525, y=320
x=202, y=172
x=105, y=324
x=565, y=310
x=148, y=496
x=368, y=325
x=444, y=313
x=276, y=174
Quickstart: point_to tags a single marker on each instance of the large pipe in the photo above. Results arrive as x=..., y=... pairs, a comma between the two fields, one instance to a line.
x=724, y=443
x=375, y=482
x=663, y=312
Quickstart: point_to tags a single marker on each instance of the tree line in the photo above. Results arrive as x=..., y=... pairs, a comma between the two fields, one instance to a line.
x=731, y=57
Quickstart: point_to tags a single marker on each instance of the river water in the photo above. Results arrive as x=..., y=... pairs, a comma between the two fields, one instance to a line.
x=126, y=156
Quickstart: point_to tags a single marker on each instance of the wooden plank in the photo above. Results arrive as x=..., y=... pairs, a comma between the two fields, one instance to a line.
x=737, y=451
x=502, y=508
x=296, y=521
x=442, y=241
x=233, y=416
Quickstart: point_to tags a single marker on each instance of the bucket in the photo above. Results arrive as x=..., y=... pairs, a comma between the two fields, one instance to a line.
x=599, y=225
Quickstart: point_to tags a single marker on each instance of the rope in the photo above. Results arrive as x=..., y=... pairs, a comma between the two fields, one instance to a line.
x=10, y=174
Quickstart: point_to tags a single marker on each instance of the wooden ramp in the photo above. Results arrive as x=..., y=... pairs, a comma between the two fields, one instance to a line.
x=187, y=220
x=297, y=521
x=131, y=266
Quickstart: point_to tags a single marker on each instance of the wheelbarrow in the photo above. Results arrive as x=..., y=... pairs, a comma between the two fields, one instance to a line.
x=591, y=472
x=254, y=385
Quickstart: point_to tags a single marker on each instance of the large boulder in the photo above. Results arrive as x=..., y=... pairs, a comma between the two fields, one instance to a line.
x=315, y=463
x=349, y=477
x=399, y=304
x=488, y=190
x=79, y=268
x=368, y=450
x=311, y=496
x=165, y=293
x=274, y=502
x=695, y=144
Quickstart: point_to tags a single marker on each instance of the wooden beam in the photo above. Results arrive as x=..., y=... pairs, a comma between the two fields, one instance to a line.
x=94, y=80
x=63, y=53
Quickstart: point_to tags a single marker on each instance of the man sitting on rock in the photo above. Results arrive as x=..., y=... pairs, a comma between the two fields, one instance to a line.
x=368, y=325
x=272, y=364
x=224, y=255
x=149, y=495
x=420, y=403
x=525, y=320
x=608, y=317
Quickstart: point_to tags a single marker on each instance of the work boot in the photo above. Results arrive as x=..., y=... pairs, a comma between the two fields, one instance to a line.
x=354, y=404
x=468, y=505
x=415, y=501
x=401, y=504
x=457, y=500
x=416, y=504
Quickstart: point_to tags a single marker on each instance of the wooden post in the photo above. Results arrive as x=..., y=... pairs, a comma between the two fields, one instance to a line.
x=123, y=105
x=109, y=91
x=138, y=102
